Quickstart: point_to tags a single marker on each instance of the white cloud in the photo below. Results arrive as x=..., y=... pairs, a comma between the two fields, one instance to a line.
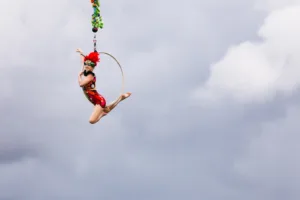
x=256, y=71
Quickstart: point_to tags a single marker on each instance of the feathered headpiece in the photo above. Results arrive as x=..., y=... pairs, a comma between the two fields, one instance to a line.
x=92, y=59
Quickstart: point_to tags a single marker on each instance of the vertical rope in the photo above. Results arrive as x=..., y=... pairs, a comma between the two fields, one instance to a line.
x=95, y=43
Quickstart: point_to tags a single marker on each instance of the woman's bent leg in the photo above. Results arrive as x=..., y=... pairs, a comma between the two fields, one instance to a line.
x=97, y=114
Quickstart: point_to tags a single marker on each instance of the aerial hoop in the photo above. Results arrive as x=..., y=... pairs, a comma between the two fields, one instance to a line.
x=122, y=73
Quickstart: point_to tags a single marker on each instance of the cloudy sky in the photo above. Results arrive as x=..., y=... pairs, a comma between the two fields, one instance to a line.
x=213, y=114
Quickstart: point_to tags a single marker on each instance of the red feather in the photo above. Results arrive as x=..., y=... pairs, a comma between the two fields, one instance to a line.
x=93, y=56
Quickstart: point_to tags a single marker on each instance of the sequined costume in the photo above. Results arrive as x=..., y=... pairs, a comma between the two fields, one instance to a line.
x=91, y=93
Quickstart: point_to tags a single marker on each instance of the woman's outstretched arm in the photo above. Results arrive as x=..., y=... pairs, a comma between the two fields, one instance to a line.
x=81, y=55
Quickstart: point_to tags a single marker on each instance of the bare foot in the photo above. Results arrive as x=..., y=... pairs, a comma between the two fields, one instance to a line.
x=125, y=96
x=109, y=108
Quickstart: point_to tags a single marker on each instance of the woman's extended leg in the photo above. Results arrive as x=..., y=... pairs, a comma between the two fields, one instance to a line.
x=111, y=106
x=97, y=114
x=100, y=112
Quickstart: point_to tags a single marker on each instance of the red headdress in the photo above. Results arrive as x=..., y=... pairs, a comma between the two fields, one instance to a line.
x=92, y=59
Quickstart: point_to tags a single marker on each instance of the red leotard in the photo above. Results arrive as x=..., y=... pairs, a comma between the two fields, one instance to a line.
x=91, y=93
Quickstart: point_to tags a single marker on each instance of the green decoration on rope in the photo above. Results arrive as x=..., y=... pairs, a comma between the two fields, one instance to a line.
x=96, y=17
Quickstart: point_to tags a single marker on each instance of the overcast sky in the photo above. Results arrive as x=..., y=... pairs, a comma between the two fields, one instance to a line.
x=213, y=114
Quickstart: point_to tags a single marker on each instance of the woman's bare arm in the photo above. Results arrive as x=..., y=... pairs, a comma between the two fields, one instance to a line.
x=81, y=55
x=85, y=81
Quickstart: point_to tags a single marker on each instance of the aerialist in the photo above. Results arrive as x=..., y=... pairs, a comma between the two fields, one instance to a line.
x=88, y=84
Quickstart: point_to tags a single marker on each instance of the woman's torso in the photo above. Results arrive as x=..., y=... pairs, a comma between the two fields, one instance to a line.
x=92, y=84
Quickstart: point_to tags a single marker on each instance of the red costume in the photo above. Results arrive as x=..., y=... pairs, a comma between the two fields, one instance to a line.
x=90, y=89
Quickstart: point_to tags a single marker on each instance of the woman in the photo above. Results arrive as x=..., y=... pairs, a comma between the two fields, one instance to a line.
x=88, y=85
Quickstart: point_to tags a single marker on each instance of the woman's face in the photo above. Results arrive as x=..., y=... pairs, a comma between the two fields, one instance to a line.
x=88, y=68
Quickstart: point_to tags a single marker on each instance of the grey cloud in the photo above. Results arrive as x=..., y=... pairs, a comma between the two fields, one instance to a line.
x=270, y=162
x=155, y=145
